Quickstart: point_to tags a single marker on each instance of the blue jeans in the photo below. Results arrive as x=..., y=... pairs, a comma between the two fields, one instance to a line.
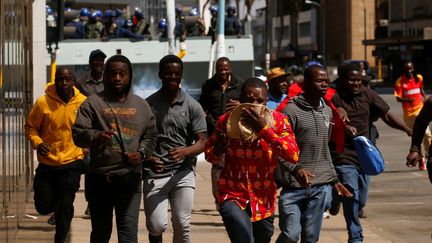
x=301, y=211
x=329, y=198
x=364, y=189
x=355, y=180
x=240, y=228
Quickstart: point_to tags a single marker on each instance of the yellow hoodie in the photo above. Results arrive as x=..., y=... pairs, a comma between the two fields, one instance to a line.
x=50, y=121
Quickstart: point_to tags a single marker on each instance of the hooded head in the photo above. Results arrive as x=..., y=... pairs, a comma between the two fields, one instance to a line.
x=118, y=76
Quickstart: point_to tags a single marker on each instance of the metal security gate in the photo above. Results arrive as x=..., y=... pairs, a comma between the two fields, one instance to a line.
x=15, y=99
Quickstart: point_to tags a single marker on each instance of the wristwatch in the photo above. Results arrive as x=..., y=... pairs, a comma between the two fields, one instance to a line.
x=143, y=153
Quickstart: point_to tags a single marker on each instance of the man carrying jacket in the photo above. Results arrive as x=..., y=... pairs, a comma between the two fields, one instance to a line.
x=302, y=200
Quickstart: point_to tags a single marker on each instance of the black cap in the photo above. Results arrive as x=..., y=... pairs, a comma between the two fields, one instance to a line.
x=97, y=53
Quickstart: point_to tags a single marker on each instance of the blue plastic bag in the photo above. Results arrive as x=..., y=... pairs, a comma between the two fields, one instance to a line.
x=369, y=156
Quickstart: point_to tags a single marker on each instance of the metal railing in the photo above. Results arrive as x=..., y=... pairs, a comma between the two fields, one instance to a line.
x=15, y=99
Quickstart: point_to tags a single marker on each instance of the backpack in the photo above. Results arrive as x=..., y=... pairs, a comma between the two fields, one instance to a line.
x=369, y=157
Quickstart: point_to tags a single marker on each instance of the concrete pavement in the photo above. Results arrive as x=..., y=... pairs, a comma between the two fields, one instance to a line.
x=206, y=223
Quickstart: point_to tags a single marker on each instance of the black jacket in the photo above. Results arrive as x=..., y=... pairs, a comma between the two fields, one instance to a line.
x=213, y=100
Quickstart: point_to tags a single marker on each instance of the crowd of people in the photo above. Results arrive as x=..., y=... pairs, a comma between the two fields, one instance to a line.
x=107, y=24
x=295, y=131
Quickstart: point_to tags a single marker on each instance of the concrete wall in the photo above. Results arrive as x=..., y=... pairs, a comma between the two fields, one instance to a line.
x=145, y=56
x=336, y=30
x=359, y=27
x=345, y=29
x=39, y=48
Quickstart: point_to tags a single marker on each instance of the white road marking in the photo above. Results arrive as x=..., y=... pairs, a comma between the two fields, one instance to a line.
x=396, y=203
x=418, y=174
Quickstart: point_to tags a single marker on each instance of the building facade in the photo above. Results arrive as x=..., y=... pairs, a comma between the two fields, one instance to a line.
x=403, y=32
x=328, y=30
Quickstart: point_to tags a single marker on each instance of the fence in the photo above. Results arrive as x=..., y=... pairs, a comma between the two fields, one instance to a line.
x=15, y=100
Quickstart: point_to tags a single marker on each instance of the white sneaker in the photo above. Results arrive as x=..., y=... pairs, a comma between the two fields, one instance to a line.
x=326, y=215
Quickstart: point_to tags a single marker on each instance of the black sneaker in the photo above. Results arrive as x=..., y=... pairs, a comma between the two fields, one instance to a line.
x=87, y=211
x=335, y=207
x=155, y=239
x=335, y=203
x=51, y=220
x=362, y=214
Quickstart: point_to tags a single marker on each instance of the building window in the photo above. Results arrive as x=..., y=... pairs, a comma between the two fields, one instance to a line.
x=396, y=33
x=286, y=33
x=304, y=29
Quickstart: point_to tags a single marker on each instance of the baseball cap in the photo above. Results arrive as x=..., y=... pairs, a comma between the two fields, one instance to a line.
x=276, y=72
x=313, y=63
x=97, y=53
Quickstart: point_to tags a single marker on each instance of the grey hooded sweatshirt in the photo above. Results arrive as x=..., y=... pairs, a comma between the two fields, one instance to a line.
x=311, y=126
x=131, y=120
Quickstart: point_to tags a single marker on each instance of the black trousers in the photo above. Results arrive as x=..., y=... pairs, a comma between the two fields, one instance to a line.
x=374, y=135
x=121, y=194
x=54, y=191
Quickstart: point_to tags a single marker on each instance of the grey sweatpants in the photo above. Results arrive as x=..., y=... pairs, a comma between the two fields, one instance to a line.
x=178, y=190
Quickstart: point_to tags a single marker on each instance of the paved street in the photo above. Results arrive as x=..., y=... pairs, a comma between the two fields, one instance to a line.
x=399, y=207
x=206, y=222
x=400, y=199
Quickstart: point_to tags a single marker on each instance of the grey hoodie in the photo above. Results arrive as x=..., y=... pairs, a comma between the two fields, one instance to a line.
x=132, y=122
x=311, y=126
